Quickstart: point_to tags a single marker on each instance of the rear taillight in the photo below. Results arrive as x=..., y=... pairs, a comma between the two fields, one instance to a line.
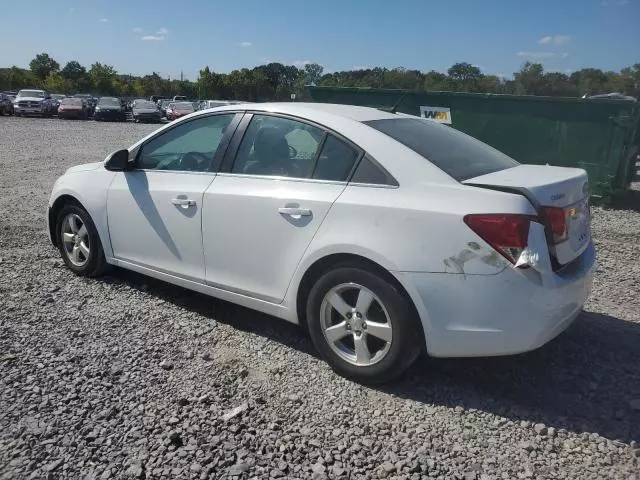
x=555, y=220
x=506, y=233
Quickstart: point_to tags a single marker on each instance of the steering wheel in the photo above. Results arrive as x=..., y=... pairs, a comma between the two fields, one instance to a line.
x=194, y=162
x=293, y=153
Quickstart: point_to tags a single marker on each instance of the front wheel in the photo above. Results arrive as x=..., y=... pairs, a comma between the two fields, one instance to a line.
x=79, y=243
x=362, y=325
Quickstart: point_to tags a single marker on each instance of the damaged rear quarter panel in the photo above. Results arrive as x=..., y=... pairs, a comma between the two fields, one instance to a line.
x=418, y=228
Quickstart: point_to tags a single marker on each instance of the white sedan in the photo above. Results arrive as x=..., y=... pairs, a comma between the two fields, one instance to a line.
x=385, y=235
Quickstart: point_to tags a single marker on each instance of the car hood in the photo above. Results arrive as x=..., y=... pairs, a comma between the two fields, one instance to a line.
x=145, y=110
x=110, y=108
x=84, y=167
x=29, y=99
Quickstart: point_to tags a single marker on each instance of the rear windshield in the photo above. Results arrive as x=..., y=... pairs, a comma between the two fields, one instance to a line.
x=457, y=154
x=71, y=101
x=183, y=106
x=112, y=102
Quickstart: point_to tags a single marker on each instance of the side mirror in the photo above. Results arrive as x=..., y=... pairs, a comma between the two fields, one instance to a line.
x=118, y=161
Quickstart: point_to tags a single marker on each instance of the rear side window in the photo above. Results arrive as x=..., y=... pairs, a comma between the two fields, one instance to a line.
x=457, y=154
x=335, y=161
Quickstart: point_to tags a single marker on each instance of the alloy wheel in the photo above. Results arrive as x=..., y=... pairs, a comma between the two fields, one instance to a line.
x=356, y=324
x=75, y=240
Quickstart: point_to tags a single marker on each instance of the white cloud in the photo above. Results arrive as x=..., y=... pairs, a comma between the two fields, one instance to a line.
x=556, y=39
x=245, y=44
x=536, y=55
x=137, y=30
x=104, y=20
x=301, y=63
x=153, y=38
x=360, y=67
x=162, y=31
x=564, y=55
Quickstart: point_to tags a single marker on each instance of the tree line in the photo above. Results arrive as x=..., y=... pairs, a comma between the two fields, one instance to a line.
x=275, y=81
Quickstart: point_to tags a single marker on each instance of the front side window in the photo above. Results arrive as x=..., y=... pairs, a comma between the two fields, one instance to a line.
x=190, y=146
x=276, y=146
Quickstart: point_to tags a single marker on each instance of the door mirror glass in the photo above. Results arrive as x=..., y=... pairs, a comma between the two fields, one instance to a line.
x=118, y=161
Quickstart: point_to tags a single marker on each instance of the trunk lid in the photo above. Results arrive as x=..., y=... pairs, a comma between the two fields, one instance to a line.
x=547, y=186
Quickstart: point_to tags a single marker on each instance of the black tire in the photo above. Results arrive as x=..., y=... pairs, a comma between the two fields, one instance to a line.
x=407, y=340
x=95, y=264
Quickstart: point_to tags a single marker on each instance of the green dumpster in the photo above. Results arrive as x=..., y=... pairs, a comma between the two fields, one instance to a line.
x=598, y=135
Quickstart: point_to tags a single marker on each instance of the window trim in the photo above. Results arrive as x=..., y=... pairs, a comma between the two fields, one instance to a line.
x=220, y=151
x=232, y=151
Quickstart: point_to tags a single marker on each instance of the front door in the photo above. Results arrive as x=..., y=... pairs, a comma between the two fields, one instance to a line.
x=262, y=215
x=155, y=210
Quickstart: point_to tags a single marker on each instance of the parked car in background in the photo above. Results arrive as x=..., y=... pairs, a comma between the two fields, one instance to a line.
x=163, y=104
x=146, y=111
x=56, y=98
x=73, y=108
x=6, y=104
x=385, y=235
x=180, y=98
x=156, y=98
x=90, y=100
x=215, y=103
x=109, y=108
x=176, y=110
x=33, y=102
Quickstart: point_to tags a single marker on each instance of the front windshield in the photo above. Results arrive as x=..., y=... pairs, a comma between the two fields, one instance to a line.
x=76, y=102
x=183, y=106
x=31, y=93
x=109, y=102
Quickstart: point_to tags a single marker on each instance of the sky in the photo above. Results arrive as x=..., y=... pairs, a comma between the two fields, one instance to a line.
x=142, y=36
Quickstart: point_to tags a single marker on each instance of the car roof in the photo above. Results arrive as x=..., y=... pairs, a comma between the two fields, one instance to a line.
x=310, y=110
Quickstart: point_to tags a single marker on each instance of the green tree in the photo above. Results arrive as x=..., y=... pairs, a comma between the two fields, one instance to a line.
x=42, y=65
x=529, y=80
x=56, y=83
x=436, y=81
x=102, y=78
x=465, y=77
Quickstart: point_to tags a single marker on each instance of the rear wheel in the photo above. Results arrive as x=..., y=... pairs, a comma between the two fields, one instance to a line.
x=79, y=243
x=362, y=325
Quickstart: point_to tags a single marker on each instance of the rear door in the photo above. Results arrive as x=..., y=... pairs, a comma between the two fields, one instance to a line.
x=263, y=210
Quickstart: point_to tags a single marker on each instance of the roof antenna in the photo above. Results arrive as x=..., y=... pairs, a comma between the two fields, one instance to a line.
x=394, y=109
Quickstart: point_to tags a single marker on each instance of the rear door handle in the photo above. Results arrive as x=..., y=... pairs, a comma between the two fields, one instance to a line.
x=183, y=202
x=294, y=211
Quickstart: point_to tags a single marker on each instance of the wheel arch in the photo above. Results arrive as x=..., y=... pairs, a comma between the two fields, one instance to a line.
x=335, y=260
x=54, y=210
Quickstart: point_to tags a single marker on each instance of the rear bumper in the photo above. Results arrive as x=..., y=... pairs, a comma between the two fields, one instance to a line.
x=148, y=118
x=503, y=314
x=109, y=115
x=72, y=114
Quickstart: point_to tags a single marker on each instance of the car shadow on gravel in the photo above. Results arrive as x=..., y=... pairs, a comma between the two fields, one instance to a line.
x=586, y=380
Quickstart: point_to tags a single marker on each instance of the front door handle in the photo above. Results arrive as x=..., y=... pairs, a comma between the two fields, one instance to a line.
x=294, y=211
x=183, y=202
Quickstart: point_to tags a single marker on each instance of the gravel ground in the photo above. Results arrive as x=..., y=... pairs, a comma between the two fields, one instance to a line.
x=126, y=377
